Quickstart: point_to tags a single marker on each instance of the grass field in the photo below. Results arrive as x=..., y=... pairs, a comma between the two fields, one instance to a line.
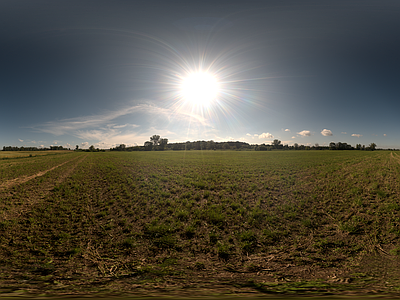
x=211, y=222
x=15, y=154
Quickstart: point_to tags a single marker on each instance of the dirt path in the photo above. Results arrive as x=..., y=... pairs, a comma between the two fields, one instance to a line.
x=23, y=179
x=395, y=156
x=35, y=194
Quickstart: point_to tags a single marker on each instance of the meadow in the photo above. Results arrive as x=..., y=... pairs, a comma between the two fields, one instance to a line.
x=16, y=154
x=201, y=222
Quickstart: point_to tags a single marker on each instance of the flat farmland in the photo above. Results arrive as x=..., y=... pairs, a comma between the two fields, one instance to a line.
x=18, y=154
x=201, y=222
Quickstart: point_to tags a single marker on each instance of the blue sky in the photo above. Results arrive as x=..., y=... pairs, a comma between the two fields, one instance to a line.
x=109, y=72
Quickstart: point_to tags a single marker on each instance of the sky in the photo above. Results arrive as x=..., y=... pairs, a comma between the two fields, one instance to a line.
x=105, y=73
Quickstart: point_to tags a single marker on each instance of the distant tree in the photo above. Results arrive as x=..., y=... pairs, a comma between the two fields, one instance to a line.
x=155, y=139
x=91, y=148
x=121, y=147
x=163, y=143
x=210, y=145
x=296, y=146
x=332, y=146
x=358, y=147
x=372, y=146
x=76, y=147
x=276, y=143
x=148, y=145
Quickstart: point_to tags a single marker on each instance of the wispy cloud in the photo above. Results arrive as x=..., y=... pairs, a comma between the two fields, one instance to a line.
x=120, y=126
x=104, y=128
x=356, y=134
x=20, y=140
x=73, y=125
x=293, y=137
x=265, y=136
x=248, y=134
x=384, y=134
x=305, y=133
x=287, y=129
x=343, y=132
x=326, y=132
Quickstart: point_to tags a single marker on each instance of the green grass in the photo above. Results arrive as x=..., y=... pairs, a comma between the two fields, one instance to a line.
x=170, y=218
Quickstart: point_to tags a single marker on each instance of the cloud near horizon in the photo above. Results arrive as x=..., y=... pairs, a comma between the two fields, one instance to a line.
x=305, y=133
x=104, y=128
x=266, y=136
x=326, y=132
x=357, y=135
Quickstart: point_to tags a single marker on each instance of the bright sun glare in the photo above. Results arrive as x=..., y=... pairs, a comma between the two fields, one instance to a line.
x=200, y=88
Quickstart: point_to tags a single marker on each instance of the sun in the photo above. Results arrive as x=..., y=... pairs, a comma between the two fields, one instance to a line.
x=200, y=88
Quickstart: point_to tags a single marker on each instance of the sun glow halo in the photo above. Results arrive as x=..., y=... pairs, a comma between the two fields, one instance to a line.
x=200, y=88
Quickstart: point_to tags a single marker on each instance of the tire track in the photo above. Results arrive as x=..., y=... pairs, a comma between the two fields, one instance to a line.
x=23, y=179
x=35, y=194
x=395, y=156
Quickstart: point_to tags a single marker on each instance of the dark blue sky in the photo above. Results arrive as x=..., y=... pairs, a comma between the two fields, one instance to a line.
x=109, y=72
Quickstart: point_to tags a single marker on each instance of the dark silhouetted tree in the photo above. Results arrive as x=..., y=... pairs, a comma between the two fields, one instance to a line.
x=372, y=146
x=155, y=139
x=276, y=144
x=148, y=146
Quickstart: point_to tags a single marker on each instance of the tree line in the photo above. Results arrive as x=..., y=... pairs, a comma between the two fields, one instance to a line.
x=14, y=148
x=156, y=143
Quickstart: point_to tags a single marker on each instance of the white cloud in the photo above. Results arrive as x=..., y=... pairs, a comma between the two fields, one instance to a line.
x=102, y=128
x=305, y=133
x=85, y=145
x=356, y=134
x=326, y=132
x=33, y=142
x=256, y=134
x=72, y=125
x=41, y=146
x=67, y=145
x=343, y=132
x=287, y=129
x=293, y=137
x=248, y=134
x=384, y=134
x=120, y=126
x=266, y=136
x=20, y=140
